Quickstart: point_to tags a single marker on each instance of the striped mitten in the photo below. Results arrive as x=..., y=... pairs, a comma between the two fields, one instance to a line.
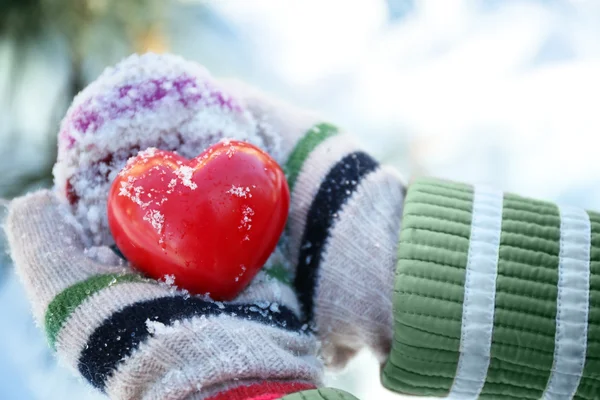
x=342, y=231
x=134, y=338
x=345, y=209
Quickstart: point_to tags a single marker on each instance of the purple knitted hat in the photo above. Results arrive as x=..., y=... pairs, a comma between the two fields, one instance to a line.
x=145, y=101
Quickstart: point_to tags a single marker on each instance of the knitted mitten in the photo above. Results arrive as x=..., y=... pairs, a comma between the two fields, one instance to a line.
x=345, y=209
x=160, y=101
x=343, y=227
x=134, y=338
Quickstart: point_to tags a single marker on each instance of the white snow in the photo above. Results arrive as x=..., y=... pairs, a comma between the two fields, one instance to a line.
x=239, y=191
x=247, y=214
x=241, y=274
x=104, y=255
x=230, y=151
x=185, y=173
x=145, y=154
x=155, y=327
x=156, y=218
x=274, y=307
x=128, y=189
x=169, y=280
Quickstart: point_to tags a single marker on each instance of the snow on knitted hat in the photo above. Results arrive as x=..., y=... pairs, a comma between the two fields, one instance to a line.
x=160, y=101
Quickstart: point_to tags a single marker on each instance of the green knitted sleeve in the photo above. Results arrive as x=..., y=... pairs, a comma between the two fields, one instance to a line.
x=320, y=394
x=496, y=297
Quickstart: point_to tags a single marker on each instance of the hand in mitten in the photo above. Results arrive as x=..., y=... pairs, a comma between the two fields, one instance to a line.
x=131, y=337
x=342, y=231
x=345, y=208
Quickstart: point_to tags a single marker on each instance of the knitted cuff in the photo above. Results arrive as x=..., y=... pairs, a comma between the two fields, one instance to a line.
x=343, y=228
x=496, y=296
x=135, y=338
x=267, y=390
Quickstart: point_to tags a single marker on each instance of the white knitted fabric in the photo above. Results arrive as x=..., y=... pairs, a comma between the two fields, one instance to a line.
x=353, y=294
x=355, y=289
x=187, y=358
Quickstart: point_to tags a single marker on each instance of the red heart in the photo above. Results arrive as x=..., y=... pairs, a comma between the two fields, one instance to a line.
x=210, y=223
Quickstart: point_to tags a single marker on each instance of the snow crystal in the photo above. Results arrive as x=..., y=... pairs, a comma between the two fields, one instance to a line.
x=171, y=186
x=145, y=154
x=104, y=255
x=239, y=191
x=262, y=304
x=241, y=274
x=230, y=148
x=134, y=193
x=155, y=327
x=274, y=307
x=156, y=218
x=185, y=174
x=169, y=280
x=247, y=213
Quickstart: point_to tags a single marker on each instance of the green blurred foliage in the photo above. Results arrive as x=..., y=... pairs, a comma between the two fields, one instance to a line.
x=24, y=19
x=88, y=28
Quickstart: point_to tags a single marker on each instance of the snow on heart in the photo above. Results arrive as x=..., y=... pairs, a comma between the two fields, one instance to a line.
x=193, y=219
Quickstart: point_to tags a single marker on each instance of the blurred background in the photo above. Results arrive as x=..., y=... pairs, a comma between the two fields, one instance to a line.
x=503, y=92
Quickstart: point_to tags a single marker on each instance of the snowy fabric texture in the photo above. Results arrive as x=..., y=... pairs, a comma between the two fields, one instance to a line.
x=342, y=231
x=145, y=101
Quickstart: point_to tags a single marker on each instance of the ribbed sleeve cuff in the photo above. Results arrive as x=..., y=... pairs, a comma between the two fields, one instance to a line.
x=495, y=296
